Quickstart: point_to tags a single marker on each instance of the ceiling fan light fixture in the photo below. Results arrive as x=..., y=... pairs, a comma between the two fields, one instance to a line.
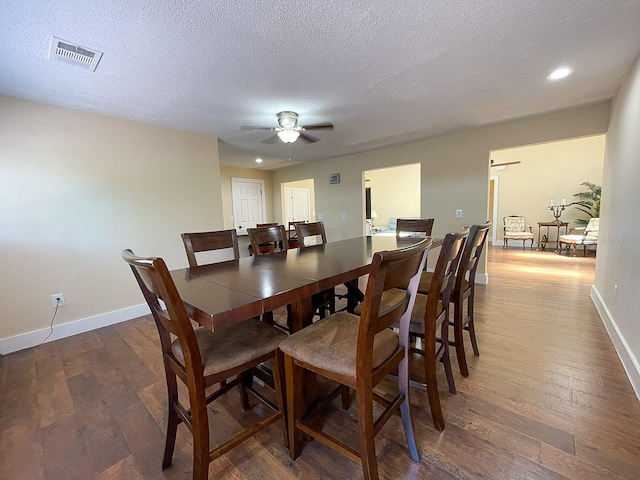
x=288, y=136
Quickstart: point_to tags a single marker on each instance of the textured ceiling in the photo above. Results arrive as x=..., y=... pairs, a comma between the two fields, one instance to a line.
x=384, y=73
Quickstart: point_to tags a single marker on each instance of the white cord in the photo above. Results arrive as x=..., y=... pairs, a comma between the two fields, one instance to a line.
x=52, y=319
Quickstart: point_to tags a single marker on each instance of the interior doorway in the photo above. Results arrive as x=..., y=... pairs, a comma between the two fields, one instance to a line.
x=249, y=204
x=298, y=201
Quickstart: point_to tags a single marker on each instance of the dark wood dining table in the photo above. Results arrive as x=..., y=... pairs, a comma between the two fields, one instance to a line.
x=221, y=294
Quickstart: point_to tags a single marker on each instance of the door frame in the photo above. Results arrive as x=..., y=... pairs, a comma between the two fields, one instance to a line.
x=494, y=228
x=259, y=181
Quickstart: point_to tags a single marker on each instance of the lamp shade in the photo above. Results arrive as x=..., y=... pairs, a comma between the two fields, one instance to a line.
x=288, y=136
x=374, y=214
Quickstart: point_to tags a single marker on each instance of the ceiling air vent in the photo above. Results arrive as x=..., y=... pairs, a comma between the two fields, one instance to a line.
x=68, y=52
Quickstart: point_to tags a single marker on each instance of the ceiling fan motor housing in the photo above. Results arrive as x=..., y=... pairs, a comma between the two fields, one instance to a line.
x=288, y=120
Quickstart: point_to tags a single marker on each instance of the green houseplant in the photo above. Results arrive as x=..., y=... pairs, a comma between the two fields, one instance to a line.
x=587, y=202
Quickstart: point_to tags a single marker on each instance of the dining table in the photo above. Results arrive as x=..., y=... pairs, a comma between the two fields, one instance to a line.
x=221, y=294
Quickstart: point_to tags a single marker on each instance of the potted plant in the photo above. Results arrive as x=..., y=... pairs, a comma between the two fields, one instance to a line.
x=587, y=202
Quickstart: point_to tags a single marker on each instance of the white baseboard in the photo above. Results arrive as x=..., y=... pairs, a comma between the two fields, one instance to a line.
x=629, y=362
x=482, y=278
x=31, y=339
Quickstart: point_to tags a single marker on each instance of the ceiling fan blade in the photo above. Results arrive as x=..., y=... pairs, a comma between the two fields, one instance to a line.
x=506, y=163
x=319, y=126
x=306, y=138
x=271, y=139
x=253, y=127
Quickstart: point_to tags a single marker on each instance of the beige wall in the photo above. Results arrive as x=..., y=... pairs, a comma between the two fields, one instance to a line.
x=549, y=170
x=78, y=188
x=395, y=192
x=618, y=261
x=454, y=169
x=227, y=173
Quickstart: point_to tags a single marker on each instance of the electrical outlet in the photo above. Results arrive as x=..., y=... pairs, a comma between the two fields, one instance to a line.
x=231, y=219
x=458, y=213
x=344, y=216
x=57, y=300
x=320, y=216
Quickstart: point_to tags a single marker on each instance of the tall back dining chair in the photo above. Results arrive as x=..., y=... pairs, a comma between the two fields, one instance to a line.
x=266, y=240
x=431, y=316
x=414, y=227
x=464, y=289
x=201, y=358
x=359, y=352
x=210, y=241
x=313, y=231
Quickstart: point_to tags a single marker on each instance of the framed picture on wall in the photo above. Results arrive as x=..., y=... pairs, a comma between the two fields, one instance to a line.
x=334, y=178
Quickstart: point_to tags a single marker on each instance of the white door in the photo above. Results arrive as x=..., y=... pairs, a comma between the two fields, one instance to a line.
x=297, y=204
x=248, y=203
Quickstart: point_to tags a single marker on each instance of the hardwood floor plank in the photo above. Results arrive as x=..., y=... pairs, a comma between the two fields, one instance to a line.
x=65, y=455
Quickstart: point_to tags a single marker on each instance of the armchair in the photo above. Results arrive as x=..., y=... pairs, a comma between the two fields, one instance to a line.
x=516, y=228
x=589, y=237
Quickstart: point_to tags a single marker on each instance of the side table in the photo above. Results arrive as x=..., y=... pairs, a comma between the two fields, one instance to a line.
x=544, y=240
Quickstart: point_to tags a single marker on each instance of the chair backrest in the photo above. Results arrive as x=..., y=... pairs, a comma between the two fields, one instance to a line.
x=274, y=237
x=308, y=230
x=209, y=241
x=156, y=283
x=389, y=269
x=271, y=224
x=592, y=227
x=423, y=226
x=514, y=223
x=471, y=255
x=443, y=278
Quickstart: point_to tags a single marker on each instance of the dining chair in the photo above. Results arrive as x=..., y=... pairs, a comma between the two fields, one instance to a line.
x=358, y=352
x=423, y=226
x=311, y=230
x=266, y=240
x=201, y=358
x=326, y=300
x=292, y=234
x=209, y=241
x=464, y=289
x=430, y=315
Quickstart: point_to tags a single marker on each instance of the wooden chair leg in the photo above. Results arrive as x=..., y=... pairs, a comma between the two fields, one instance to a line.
x=173, y=420
x=432, y=391
x=277, y=365
x=200, y=423
x=458, y=335
x=246, y=381
x=346, y=397
x=446, y=359
x=294, y=378
x=366, y=434
x=405, y=407
x=471, y=323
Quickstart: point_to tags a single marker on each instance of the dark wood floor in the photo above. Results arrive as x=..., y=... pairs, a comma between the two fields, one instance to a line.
x=547, y=398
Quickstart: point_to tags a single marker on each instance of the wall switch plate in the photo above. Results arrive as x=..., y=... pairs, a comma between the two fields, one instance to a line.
x=231, y=219
x=320, y=216
x=57, y=300
x=458, y=213
x=344, y=216
x=615, y=292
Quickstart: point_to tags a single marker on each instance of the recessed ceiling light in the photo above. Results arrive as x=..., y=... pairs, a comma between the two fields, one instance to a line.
x=258, y=160
x=559, y=73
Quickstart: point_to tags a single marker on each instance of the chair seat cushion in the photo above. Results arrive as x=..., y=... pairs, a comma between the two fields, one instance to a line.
x=233, y=346
x=518, y=235
x=389, y=299
x=581, y=239
x=330, y=344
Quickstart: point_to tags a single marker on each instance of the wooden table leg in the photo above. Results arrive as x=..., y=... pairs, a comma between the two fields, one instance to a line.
x=300, y=316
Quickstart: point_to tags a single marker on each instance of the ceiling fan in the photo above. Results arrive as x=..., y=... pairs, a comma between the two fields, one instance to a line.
x=504, y=164
x=289, y=131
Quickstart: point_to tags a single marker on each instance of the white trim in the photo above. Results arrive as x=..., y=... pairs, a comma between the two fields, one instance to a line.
x=32, y=339
x=494, y=227
x=629, y=362
x=482, y=278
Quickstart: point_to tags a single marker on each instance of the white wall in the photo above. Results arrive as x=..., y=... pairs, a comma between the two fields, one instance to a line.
x=549, y=170
x=78, y=188
x=618, y=261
